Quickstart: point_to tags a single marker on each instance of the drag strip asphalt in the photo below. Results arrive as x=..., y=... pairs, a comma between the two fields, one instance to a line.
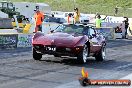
x=19, y=70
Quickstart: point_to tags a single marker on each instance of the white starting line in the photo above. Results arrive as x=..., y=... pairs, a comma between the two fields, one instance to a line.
x=76, y=84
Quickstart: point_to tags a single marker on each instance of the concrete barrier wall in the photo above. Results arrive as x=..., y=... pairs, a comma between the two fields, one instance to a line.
x=108, y=32
x=24, y=40
x=8, y=41
x=11, y=41
x=114, y=25
x=6, y=23
x=8, y=31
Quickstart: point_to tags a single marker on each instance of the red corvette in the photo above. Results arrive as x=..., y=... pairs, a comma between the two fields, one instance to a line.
x=78, y=40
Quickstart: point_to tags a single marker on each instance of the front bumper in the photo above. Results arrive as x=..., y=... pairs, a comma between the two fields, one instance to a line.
x=59, y=50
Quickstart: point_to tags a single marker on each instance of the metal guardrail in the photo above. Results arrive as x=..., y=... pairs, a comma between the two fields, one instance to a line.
x=5, y=23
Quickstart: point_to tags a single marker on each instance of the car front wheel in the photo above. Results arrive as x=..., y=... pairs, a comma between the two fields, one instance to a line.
x=82, y=56
x=36, y=56
x=101, y=55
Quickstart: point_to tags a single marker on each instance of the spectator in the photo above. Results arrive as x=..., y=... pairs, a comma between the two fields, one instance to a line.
x=126, y=25
x=39, y=17
x=116, y=11
x=98, y=21
x=69, y=18
x=76, y=16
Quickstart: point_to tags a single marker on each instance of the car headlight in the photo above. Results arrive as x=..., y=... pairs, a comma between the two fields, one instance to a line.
x=77, y=48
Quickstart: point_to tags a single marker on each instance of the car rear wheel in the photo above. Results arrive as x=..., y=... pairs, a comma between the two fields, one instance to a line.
x=82, y=56
x=101, y=55
x=36, y=56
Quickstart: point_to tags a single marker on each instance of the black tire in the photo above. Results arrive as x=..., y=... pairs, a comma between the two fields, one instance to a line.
x=36, y=56
x=101, y=55
x=84, y=81
x=82, y=56
x=57, y=55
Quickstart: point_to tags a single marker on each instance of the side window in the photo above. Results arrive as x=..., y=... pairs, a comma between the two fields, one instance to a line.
x=91, y=31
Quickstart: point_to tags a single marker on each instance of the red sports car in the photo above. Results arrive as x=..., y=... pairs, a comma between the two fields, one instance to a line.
x=76, y=40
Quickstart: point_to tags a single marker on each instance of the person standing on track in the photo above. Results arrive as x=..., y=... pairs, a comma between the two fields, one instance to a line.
x=126, y=22
x=98, y=21
x=76, y=16
x=39, y=17
x=70, y=18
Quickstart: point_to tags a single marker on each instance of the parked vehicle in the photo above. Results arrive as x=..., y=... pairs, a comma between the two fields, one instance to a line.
x=8, y=8
x=83, y=17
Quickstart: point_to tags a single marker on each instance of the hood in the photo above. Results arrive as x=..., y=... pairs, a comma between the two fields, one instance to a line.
x=58, y=39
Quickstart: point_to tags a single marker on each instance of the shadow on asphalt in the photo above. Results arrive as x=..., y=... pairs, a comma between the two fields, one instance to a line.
x=17, y=50
x=27, y=78
x=92, y=63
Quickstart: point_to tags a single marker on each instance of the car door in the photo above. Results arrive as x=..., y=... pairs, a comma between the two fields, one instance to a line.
x=94, y=40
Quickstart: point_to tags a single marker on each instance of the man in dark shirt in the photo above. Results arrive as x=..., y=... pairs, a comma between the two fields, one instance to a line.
x=126, y=25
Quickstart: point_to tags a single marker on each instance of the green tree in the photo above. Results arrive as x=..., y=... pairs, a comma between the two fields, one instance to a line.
x=125, y=4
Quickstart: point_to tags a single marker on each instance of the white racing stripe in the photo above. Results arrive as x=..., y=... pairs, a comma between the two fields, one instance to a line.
x=76, y=84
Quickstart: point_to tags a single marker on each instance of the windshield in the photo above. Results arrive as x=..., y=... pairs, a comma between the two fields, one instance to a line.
x=54, y=19
x=51, y=19
x=72, y=29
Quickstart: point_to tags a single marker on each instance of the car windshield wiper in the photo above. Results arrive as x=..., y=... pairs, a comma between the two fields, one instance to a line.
x=54, y=29
x=57, y=27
